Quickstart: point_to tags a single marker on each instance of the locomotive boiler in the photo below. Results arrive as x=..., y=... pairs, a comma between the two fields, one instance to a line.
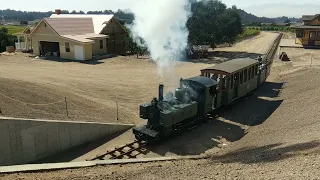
x=189, y=105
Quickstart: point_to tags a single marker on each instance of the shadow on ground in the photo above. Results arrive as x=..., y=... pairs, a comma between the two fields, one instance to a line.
x=94, y=61
x=216, y=57
x=268, y=153
x=73, y=153
x=201, y=139
x=251, y=111
x=257, y=107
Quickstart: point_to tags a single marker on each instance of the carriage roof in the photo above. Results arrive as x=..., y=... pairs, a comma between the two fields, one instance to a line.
x=204, y=81
x=233, y=65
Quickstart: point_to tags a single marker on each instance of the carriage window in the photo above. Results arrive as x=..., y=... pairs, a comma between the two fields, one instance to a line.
x=249, y=73
x=232, y=81
x=256, y=70
x=245, y=75
x=225, y=78
x=241, y=77
x=252, y=71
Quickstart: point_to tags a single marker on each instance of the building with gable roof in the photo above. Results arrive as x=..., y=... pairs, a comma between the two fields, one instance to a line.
x=308, y=32
x=78, y=36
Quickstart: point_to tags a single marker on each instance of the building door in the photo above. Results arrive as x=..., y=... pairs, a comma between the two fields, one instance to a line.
x=312, y=38
x=78, y=53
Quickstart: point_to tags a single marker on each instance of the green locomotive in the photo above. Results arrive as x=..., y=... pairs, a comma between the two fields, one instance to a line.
x=198, y=97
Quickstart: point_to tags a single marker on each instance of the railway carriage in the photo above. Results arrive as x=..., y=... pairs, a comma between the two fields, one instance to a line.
x=198, y=97
x=236, y=78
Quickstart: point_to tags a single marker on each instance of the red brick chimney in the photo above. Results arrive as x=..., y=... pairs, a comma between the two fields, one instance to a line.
x=58, y=11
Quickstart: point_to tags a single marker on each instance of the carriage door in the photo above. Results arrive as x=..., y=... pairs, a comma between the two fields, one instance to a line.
x=236, y=85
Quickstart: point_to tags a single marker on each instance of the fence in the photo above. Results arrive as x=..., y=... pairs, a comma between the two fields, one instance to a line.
x=63, y=108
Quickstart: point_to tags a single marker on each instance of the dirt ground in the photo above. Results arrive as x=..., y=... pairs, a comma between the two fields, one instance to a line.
x=93, y=89
x=253, y=48
x=273, y=134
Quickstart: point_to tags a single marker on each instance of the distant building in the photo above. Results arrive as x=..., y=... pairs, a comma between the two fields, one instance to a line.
x=25, y=44
x=78, y=36
x=308, y=32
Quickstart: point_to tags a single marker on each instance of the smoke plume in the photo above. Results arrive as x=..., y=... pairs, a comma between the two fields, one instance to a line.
x=161, y=24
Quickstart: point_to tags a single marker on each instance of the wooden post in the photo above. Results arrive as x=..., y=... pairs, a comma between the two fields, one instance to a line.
x=66, y=107
x=117, y=111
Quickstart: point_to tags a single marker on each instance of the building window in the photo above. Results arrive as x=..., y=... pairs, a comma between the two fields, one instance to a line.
x=318, y=36
x=101, y=44
x=67, y=47
x=45, y=25
x=300, y=34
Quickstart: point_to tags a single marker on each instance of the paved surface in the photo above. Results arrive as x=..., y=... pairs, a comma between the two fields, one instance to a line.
x=289, y=43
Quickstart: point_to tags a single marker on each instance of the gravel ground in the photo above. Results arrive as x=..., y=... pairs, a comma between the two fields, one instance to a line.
x=281, y=139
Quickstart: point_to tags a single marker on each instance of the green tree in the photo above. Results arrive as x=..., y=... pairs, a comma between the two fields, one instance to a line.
x=5, y=39
x=212, y=23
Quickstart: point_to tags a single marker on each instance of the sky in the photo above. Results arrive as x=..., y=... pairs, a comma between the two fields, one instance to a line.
x=268, y=8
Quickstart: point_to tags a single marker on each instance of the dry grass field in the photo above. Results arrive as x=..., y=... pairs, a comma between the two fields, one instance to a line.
x=93, y=89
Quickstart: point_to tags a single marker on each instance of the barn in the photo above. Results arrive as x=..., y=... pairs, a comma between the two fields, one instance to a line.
x=78, y=36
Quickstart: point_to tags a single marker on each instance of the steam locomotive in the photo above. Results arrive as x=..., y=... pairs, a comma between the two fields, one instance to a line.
x=198, y=97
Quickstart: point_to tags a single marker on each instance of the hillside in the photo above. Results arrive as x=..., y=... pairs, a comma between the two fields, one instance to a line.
x=124, y=16
x=250, y=18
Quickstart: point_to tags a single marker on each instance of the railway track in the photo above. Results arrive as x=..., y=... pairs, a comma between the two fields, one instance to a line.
x=128, y=151
x=268, y=58
x=132, y=150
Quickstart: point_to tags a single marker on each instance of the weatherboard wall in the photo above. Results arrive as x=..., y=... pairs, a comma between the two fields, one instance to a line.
x=26, y=140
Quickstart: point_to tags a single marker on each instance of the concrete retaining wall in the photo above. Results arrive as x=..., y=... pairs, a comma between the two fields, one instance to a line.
x=27, y=140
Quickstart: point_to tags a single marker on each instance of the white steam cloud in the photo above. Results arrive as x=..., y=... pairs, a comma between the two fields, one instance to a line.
x=162, y=26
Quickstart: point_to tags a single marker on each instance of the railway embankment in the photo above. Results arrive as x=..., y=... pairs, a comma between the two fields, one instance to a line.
x=28, y=140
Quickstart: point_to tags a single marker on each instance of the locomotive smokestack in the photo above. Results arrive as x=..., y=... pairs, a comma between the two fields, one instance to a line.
x=161, y=92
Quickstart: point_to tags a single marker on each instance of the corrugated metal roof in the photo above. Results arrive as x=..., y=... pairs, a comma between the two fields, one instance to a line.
x=71, y=26
x=233, y=65
x=98, y=19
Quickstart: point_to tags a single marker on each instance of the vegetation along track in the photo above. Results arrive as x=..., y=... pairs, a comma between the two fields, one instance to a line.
x=135, y=148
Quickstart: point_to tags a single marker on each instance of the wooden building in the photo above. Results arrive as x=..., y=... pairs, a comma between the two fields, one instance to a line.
x=308, y=32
